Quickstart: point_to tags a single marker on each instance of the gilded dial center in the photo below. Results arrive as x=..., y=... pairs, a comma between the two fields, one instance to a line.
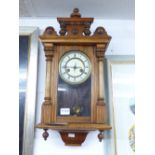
x=74, y=67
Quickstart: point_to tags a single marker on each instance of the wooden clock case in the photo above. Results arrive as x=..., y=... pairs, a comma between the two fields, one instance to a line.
x=74, y=34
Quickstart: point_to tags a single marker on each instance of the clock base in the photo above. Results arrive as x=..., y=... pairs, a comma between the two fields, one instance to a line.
x=74, y=134
x=73, y=138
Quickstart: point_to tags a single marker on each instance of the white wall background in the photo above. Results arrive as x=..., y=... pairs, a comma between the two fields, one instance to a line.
x=123, y=81
x=122, y=43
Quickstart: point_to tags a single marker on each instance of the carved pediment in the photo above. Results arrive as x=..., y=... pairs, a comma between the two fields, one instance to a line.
x=75, y=25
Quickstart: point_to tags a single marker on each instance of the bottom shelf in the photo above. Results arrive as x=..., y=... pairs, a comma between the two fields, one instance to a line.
x=74, y=134
x=74, y=126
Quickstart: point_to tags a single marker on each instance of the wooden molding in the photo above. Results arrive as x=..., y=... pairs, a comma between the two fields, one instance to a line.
x=100, y=31
x=82, y=126
x=75, y=13
x=73, y=138
x=45, y=134
x=100, y=51
x=49, y=51
x=101, y=136
x=50, y=31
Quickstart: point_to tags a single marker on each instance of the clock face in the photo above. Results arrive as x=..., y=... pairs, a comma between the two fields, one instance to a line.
x=74, y=67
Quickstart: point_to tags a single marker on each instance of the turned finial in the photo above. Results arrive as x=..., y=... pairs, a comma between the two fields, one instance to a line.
x=76, y=13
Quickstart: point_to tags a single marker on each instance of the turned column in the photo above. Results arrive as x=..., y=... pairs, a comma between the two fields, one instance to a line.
x=47, y=104
x=49, y=50
x=101, y=78
x=101, y=112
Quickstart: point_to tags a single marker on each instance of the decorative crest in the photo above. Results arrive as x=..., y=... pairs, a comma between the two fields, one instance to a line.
x=75, y=25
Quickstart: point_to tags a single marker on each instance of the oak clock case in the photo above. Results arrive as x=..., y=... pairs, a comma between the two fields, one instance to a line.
x=74, y=102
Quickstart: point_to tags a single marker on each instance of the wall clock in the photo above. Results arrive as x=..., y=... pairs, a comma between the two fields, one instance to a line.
x=74, y=100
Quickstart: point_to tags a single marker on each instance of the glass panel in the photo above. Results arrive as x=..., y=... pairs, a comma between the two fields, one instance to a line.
x=124, y=107
x=74, y=99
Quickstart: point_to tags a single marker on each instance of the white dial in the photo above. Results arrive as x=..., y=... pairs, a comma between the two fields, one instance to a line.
x=74, y=67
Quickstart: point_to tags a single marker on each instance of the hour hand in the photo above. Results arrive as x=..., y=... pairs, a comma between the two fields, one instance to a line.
x=76, y=67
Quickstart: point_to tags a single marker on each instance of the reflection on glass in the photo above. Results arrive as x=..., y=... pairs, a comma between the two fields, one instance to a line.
x=74, y=99
x=123, y=99
x=23, y=67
